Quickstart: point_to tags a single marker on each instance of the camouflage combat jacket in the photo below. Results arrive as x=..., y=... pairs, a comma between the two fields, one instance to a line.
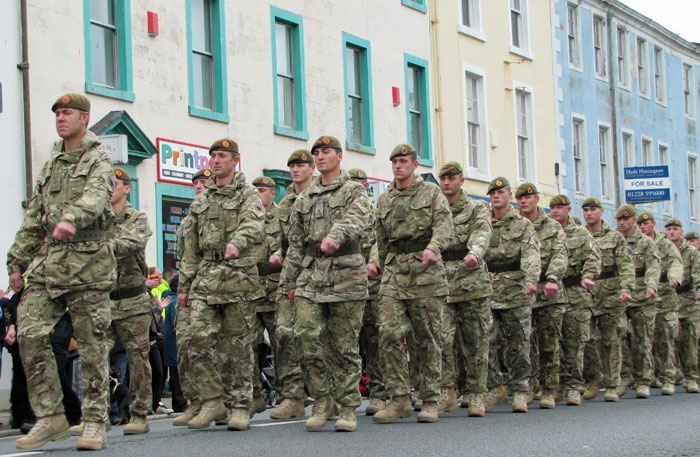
x=409, y=221
x=646, y=266
x=341, y=210
x=584, y=263
x=130, y=233
x=513, y=258
x=671, y=266
x=687, y=292
x=617, y=272
x=74, y=187
x=554, y=258
x=269, y=276
x=369, y=240
x=472, y=226
x=229, y=214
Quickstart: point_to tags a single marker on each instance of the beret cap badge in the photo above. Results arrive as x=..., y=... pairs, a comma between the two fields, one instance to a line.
x=499, y=182
x=66, y=99
x=207, y=173
x=325, y=140
x=303, y=156
x=225, y=143
x=118, y=172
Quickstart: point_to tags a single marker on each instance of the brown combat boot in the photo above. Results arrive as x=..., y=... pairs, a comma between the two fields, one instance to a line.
x=429, y=412
x=49, y=428
x=223, y=420
x=547, y=401
x=212, y=410
x=288, y=409
x=622, y=388
x=347, y=422
x=323, y=407
x=668, y=389
x=417, y=405
x=476, y=405
x=375, y=405
x=448, y=402
x=691, y=386
x=611, y=394
x=573, y=398
x=592, y=389
x=494, y=397
x=137, y=425
x=642, y=391
x=77, y=430
x=398, y=407
x=259, y=406
x=239, y=419
x=188, y=415
x=519, y=402
x=94, y=437
x=465, y=400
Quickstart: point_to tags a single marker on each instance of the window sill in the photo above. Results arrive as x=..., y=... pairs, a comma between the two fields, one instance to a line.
x=601, y=78
x=661, y=103
x=416, y=5
x=644, y=96
x=625, y=87
x=357, y=147
x=472, y=32
x=521, y=52
x=108, y=92
x=211, y=115
x=577, y=68
x=690, y=117
x=292, y=133
x=476, y=175
x=426, y=162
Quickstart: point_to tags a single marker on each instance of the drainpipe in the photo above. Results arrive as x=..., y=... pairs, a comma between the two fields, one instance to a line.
x=24, y=68
x=435, y=45
x=613, y=105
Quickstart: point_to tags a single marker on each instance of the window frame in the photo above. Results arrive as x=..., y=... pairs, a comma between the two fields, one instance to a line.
x=418, y=5
x=476, y=30
x=628, y=133
x=426, y=120
x=623, y=58
x=689, y=96
x=643, y=67
x=693, y=204
x=666, y=205
x=577, y=64
x=602, y=72
x=368, y=146
x=609, y=163
x=660, y=76
x=125, y=89
x=482, y=172
x=580, y=119
x=523, y=49
x=295, y=21
x=647, y=140
x=531, y=172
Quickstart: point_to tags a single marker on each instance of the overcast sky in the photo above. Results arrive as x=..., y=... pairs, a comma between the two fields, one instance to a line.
x=679, y=16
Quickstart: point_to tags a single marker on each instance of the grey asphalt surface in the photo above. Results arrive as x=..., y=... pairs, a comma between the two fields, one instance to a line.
x=659, y=426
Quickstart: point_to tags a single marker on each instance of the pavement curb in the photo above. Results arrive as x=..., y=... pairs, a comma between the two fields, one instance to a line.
x=15, y=431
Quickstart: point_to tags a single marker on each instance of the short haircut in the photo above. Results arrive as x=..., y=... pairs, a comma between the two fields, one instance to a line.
x=169, y=273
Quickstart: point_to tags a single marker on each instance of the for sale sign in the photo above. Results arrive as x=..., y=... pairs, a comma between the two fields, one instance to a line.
x=647, y=184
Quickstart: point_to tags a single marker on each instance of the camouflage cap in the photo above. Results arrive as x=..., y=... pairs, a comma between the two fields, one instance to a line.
x=402, y=150
x=559, y=200
x=525, y=189
x=625, y=211
x=591, y=202
x=327, y=141
x=645, y=216
x=357, y=173
x=122, y=174
x=300, y=156
x=498, y=183
x=264, y=181
x=224, y=144
x=675, y=222
x=450, y=169
x=76, y=101
x=204, y=173
x=692, y=235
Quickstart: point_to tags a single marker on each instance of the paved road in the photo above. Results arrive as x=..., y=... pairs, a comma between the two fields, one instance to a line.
x=659, y=426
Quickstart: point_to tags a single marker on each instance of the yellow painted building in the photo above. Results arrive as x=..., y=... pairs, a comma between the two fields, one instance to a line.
x=494, y=91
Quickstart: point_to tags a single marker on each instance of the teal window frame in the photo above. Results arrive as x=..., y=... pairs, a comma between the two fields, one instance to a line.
x=125, y=91
x=172, y=191
x=218, y=31
x=367, y=104
x=416, y=5
x=426, y=158
x=296, y=22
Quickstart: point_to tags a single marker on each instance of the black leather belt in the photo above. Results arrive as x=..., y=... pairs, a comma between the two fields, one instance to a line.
x=571, y=281
x=503, y=267
x=455, y=255
x=265, y=269
x=408, y=246
x=214, y=255
x=127, y=292
x=84, y=235
x=346, y=249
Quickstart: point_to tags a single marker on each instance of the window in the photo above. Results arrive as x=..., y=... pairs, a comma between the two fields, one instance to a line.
x=573, y=27
x=206, y=63
x=664, y=159
x=475, y=105
x=688, y=98
x=628, y=149
x=416, y=5
x=647, y=155
x=470, y=18
x=288, y=72
x=599, y=53
x=418, y=107
x=524, y=134
x=108, y=48
x=519, y=32
x=623, y=69
x=693, y=185
x=578, y=136
x=659, y=75
x=643, y=67
x=358, y=94
x=606, y=163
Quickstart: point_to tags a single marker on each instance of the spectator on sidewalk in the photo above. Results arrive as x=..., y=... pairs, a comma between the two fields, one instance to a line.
x=170, y=347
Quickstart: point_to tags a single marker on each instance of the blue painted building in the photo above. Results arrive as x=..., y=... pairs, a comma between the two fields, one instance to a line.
x=627, y=95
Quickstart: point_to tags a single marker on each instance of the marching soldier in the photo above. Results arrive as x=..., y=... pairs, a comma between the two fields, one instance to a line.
x=693, y=239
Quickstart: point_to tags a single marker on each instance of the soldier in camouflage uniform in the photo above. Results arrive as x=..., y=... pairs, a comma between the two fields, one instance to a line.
x=583, y=268
x=666, y=322
x=641, y=309
x=550, y=304
x=369, y=336
x=603, y=353
x=693, y=239
x=688, y=310
x=413, y=227
x=288, y=372
x=62, y=248
x=270, y=278
x=219, y=283
x=513, y=258
x=182, y=324
x=468, y=308
x=326, y=280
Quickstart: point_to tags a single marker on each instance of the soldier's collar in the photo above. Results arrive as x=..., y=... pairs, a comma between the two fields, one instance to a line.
x=318, y=188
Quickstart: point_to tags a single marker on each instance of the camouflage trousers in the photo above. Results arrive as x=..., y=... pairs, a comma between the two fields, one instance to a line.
x=328, y=335
x=422, y=317
x=545, y=339
x=369, y=338
x=222, y=351
x=263, y=321
x=183, y=331
x=288, y=372
x=688, y=345
x=664, y=347
x=637, y=358
x=133, y=331
x=37, y=315
x=603, y=353
x=575, y=333
x=509, y=349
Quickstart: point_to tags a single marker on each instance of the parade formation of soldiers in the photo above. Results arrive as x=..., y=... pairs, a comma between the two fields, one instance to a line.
x=448, y=295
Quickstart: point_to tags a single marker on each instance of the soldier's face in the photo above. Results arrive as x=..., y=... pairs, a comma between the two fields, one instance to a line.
x=695, y=243
x=266, y=195
x=327, y=159
x=403, y=167
x=70, y=122
x=674, y=233
x=647, y=227
x=222, y=162
x=301, y=172
x=592, y=215
x=198, y=185
x=500, y=197
x=528, y=203
x=451, y=185
x=560, y=213
x=364, y=182
x=121, y=190
x=625, y=223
